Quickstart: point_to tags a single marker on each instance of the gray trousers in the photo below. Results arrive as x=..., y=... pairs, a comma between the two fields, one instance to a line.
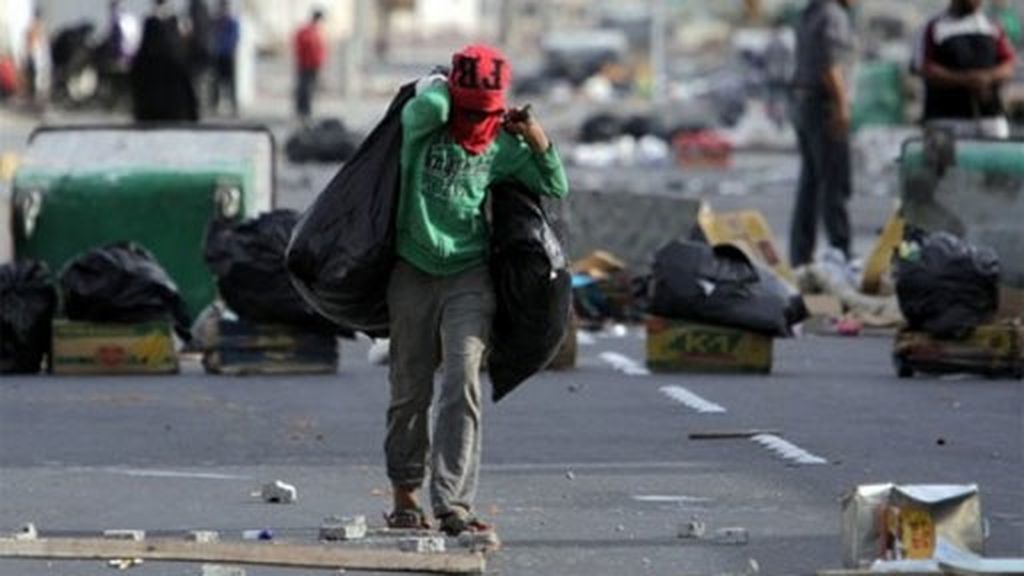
x=825, y=181
x=437, y=321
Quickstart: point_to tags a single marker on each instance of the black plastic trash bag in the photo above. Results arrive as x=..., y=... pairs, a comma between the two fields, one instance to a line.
x=248, y=260
x=945, y=286
x=28, y=299
x=343, y=249
x=718, y=285
x=326, y=141
x=533, y=289
x=121, y=282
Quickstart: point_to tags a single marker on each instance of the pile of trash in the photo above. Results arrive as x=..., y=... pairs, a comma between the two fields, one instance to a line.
x=946, y=286
x=121, y=283
x=248, y=260
x=832, y=289
x=327, y=141
x=605, y=291
x=721, y=285
x=28, y=300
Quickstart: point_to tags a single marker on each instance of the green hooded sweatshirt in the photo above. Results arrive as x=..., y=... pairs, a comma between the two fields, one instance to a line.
x=441, y=226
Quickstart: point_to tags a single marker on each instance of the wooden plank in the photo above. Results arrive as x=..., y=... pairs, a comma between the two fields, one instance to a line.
x=261, y=554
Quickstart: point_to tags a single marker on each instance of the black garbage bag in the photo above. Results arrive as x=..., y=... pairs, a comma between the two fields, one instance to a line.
x=28, y=299
x=718, y=285
x=342, y=251
x=601, y=127
x=326, y=141
x=122, y=282
x=533, y=289
x=247, y=259
x=945, y=286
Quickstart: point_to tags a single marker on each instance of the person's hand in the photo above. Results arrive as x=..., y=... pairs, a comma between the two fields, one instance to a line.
x=839, y=123
x=978, y=81
x=520, y=121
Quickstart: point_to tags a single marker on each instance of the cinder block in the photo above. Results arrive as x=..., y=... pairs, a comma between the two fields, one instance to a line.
x=422, y=545
x=343, y=528
x=203, y=536
x=278, y=492
x=134, y=535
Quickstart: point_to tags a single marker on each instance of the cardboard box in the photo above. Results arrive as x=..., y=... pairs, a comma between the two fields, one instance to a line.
x=880, y=260
x=681, y=346
x=237, y=348
x=749, y=231
x=94, y=348
x=889, y=522
x=1011, y=303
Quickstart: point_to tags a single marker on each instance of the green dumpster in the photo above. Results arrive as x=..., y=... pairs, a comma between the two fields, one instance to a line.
x=82, y=187
x=974, y=189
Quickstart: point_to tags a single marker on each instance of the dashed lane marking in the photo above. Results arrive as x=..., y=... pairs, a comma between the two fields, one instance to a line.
x=691, y=400
x=787, y=450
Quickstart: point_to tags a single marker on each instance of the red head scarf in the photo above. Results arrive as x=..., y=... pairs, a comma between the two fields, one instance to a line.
x=478, y=80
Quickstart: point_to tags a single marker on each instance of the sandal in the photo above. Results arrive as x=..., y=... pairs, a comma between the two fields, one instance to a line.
x=455, y=524
x=407, y=519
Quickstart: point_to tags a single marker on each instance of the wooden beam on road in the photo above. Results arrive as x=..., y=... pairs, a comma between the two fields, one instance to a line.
x=257, y=553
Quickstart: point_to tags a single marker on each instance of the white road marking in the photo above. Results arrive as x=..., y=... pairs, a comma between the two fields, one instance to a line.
x=787, y=450
x=684, y=396
x=660, y=499
x=624, y=364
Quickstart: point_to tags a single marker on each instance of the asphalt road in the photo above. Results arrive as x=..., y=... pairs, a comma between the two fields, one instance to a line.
x=586, y=472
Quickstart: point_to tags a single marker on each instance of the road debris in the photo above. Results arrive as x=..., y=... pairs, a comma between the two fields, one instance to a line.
x=262, y=534
x=277, y=492
x=133, y=535
x=203, y=536
x=221, y=570
x=338, y=528
x=422, y=545
x=27, y=532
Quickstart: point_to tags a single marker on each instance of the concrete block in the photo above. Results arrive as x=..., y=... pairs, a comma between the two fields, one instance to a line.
x=277, y=492
x=422, y=545
x=134, y=535
x=203, y=536
x=343, y=528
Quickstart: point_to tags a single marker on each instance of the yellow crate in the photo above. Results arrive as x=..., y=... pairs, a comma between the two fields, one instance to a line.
x=680, y=346
x=93, y=348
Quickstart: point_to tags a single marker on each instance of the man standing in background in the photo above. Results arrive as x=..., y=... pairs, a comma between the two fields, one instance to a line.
x=964, y=58
x=226, y=32
x=37, y=61
x=825, y=52
x=310, y=55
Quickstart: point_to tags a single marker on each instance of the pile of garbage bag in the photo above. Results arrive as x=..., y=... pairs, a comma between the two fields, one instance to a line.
x=327, y=141
x=720, y=285
x=946, y=286
x=28, y=300
x=248, y=260
x=121, y=282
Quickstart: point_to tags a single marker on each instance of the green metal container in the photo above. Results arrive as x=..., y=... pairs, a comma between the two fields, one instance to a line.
x=81, y=188
x=879, y=96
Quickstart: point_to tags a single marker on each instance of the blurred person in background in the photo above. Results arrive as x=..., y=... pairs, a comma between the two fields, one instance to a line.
x=826, y=48
x=964, y=58
x=199, y=40
x=226, y=34
x=122, y=40
x=37, y=68
x=310, y=55
x=8, y=77
x=162, y=89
